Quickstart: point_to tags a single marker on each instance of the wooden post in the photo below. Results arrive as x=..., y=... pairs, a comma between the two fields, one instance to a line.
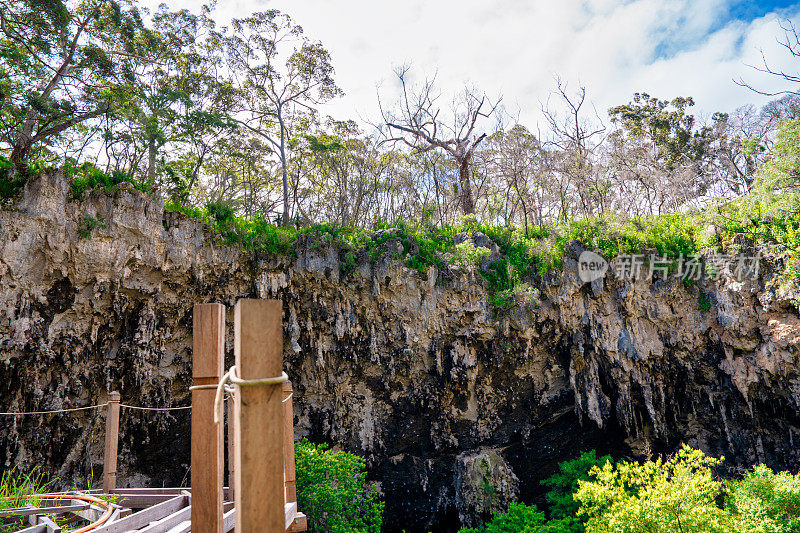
x=208, y=338
x=289, y=481
x=258, y=337
x=231, y=440
x=112, y=442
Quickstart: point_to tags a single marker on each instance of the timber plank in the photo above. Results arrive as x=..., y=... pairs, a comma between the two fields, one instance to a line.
x=145, y=517
x=168, y=522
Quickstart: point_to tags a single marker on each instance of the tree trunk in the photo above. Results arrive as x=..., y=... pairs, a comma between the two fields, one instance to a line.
x=20, y=153
x=467, y=203
x=151, y=160
x=283, y=171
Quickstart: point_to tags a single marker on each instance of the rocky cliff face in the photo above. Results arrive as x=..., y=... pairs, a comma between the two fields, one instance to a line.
x=458, y=407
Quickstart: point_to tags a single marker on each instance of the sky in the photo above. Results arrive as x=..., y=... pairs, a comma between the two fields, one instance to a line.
x=515, y=48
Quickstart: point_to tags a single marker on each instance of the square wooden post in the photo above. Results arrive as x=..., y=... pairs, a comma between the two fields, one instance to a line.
x=231, y=439
x=111, y=443
x=208, y=468
x=259, y=490
x=289, y=482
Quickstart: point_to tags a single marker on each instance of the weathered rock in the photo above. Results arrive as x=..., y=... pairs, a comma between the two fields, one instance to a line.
x=481, y=240
x=484, y=485
x=417, y=372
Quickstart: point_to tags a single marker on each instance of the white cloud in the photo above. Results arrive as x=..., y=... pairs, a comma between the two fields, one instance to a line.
x=514, y=47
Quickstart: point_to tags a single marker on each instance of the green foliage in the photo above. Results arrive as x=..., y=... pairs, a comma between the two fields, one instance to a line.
x=663, y=124
x=17, y=490
x=520, y=518
x=333, y=492
x=349, y=263
x=564, y=483
x=255, y=233
x=56, y=70
x=670, y=235
x=771, y=212
x=489, y=488
x=466, y=253
x=220, y=213
x=678, y=495
x=88, y=224
x=11, y=182
x=702, y=302
x=87, y=176
x=674, y=495
x=765, y=502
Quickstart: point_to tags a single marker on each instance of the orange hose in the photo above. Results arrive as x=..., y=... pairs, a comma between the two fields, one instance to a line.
x=86, y=498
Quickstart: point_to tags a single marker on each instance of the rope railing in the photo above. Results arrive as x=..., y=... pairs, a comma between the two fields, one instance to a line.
x=260, y=455
x=54, y=411
x=98, y=406
x=141, y=408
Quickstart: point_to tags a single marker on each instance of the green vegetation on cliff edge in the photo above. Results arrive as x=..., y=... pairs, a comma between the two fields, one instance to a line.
x=770, y=214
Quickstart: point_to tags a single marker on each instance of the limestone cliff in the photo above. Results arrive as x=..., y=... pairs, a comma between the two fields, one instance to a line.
x=458, y=407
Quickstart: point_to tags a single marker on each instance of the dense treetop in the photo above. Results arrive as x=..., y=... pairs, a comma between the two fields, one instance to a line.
x=224, y=123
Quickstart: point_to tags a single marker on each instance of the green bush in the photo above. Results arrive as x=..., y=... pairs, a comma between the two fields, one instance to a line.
x=88, y=224
x=662, y=496
x=765, y=502
x=11, y=182
x=564, y=483
x=87, y=176
x=333, y=492
x=520, y=518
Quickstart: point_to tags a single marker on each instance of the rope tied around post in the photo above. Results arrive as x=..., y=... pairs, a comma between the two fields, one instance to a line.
x=203, y=387
x=231, y=375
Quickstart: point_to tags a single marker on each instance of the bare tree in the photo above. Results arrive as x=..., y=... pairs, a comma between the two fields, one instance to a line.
x=417, y=122
x=790, y=42
x=576, y=138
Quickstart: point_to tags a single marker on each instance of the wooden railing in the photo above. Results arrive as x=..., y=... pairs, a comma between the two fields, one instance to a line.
x=261, y=466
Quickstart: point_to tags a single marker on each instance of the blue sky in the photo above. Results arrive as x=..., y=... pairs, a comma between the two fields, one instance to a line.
x=516, y=48
x=751, y=10
x=672, y=43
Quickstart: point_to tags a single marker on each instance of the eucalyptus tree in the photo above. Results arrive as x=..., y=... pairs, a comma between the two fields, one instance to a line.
x=658, y=147
x=346, y=172
x=416, y=120
x=277, y=73
x=240, y=174
x=178, y=105
x=63, y=63
x=517, y=165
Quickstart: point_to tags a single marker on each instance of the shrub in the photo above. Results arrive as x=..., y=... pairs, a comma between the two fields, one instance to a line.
x=88, y=224
x=765, y=502
x=333, y=492
x=564, y=483
x=221, y=213
x=467, y=254
x=659, y=496
x=11, y=182
x=771, y=211
x=87, y=176
x=520, y=518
